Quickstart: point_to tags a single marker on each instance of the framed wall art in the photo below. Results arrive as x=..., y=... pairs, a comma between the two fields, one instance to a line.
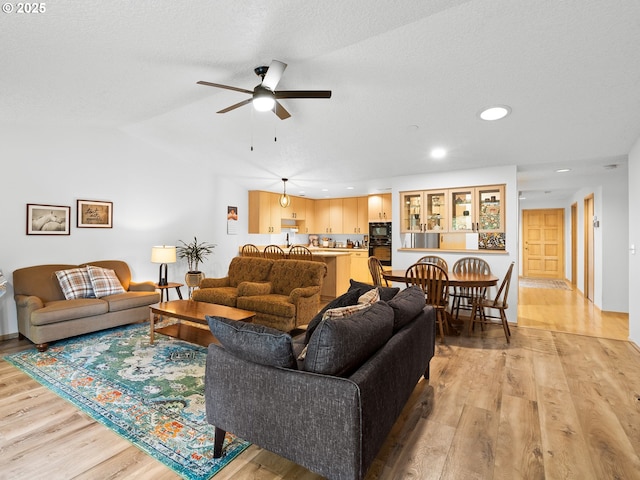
x=95, y=214
x=48, y=219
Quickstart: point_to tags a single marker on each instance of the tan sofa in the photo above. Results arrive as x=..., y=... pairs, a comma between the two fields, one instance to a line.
x=284, y=294
x=44, y=315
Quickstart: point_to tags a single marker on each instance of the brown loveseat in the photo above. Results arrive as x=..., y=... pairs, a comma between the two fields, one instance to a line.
x=284, y=294
x=45, y=315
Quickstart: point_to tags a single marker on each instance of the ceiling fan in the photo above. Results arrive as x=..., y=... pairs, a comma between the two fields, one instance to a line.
x=264, y=96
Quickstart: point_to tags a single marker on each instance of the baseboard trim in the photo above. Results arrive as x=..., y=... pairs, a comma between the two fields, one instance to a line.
x=9, y=336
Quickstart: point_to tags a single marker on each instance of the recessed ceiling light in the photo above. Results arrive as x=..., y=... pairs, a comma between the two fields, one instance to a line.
x=494, y=113
x=349, y=188
x=325, y=190
x=438, y=153
x=563, y=170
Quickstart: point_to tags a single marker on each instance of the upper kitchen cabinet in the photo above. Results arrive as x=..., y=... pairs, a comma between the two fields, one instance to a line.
x=355, y=215
x=380, y=208
x=477, y=209
x=265, y=212
x=328, y=216
x=423, y=211
x=297, y=210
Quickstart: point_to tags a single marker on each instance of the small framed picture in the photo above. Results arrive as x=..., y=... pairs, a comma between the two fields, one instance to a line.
x=95, y=214
x=48, y=219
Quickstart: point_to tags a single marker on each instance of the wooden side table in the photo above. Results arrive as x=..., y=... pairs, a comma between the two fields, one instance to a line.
x=165, y=289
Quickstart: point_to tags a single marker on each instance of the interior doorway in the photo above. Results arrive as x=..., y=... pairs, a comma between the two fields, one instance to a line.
x=543, y=247
x=588, y=248
x=574, y=244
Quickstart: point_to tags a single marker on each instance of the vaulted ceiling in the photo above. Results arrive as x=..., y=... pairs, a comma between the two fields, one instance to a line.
x=406, y=76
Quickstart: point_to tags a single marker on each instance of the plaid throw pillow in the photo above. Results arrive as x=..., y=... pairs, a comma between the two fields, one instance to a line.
x=370, y=297
x=75, y=283
x=104, y=281
x=342, y=312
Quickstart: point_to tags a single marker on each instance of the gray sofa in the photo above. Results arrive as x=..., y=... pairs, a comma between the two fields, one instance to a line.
x=332, y=411
x=45, y=315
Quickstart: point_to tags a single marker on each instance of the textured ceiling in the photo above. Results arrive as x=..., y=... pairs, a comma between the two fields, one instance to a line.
x=406, y=76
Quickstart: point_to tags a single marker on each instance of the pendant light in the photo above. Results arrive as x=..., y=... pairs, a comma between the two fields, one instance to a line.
x=285, y=200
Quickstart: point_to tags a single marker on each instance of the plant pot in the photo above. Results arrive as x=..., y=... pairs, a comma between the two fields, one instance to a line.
x=193, y=279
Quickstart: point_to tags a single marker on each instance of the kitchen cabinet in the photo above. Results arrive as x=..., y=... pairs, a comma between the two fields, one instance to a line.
x=355, y=215
x=360, y=266
x=477, y=209
x=328, y=216
x=423, y=211
x=264, y=212
x=380, y=208
x=297, y=210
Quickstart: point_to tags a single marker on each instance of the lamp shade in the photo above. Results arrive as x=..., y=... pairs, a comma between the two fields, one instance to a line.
x=163, y=254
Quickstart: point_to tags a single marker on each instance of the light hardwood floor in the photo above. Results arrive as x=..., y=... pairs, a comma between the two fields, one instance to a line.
x=548, y=405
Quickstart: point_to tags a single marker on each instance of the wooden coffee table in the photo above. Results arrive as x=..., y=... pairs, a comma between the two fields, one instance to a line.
x=195, y=329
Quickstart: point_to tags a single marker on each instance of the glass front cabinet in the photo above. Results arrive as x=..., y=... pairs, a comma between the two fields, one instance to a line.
x=477, y=209
x=424, y=211
x=464, y=210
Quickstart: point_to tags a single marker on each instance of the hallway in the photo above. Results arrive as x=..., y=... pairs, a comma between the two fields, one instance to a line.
x=568, y=311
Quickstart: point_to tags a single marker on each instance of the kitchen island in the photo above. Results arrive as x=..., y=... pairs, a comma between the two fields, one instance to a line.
x=338, y=261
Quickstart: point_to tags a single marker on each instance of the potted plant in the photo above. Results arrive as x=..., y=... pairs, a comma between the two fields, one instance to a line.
x=195, y=253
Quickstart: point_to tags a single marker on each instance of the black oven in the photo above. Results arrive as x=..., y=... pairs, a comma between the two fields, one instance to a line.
x=380, y=242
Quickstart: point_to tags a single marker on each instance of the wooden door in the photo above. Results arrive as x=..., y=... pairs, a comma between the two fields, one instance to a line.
x=588, y=248
x=543, y=237
x=574, y=244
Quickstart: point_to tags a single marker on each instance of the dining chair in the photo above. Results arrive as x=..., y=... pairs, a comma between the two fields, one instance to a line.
x=300, y=252
x=499, y=303
x=434, y=282
x=375, y=268
x=441, y=262
x=274, y=252
x=250, y=250
x=463, y=297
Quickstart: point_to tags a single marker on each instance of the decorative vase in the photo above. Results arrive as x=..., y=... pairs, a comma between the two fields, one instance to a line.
x=193, y=278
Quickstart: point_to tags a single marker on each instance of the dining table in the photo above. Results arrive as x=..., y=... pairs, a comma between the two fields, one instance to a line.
x=455, y=279
x=458, y=280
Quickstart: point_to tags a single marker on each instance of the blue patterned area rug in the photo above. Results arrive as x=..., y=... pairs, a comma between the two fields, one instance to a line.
x=152, y=395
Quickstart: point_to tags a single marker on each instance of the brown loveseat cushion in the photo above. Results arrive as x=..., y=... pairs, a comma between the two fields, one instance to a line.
x=62, y=310
x=220, y=295
x=273, y=304
x=289, y=274
x=248, y=269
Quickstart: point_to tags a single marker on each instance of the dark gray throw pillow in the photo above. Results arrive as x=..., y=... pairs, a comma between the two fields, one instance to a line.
x=254, y=343
x=339, y=346
x=386, y=293
x=344, y=300
x=406, y=305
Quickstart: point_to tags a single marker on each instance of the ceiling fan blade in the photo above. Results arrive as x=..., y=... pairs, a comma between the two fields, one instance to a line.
x=233, y=107
x=274, y=74
x=303, y=94
x=281, y=112
x=209, y=84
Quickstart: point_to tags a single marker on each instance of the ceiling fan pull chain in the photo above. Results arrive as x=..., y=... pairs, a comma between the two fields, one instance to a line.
x=251, y=129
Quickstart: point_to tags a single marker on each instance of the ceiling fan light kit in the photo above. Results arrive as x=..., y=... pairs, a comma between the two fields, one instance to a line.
x=264, y=97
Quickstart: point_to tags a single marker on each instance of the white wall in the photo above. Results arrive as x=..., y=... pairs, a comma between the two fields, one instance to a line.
x=157, y=199
x=499, y=262
x=634, y=239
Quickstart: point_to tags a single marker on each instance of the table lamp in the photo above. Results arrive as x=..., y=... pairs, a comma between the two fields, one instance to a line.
x=163, y=254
